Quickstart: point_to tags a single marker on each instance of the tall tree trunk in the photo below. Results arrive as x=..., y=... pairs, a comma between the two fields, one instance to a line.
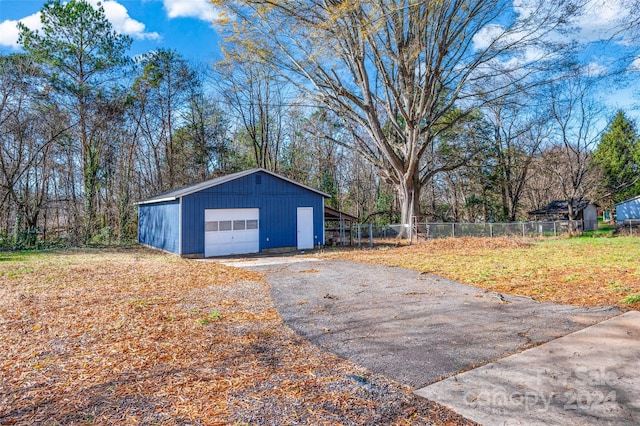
x=90, y=174
x=409, y=190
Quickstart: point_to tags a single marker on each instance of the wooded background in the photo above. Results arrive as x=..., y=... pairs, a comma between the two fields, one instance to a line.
x=391, y=109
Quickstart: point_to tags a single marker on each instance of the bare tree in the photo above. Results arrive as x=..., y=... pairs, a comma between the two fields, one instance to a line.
x=519, y=126
x=543, y=186
x=404, y=71
x=296, y=153
x=576, y=131
x=30, y=128
x=163, y=89
x=258, y=97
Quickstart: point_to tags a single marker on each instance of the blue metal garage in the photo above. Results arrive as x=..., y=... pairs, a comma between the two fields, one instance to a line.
x=245, y=212
x=628, y=210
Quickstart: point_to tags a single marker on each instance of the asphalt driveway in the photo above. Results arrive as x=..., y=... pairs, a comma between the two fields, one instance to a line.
x=411, y=327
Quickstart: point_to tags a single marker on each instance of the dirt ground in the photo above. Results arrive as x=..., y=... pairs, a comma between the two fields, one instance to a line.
x=132, y=336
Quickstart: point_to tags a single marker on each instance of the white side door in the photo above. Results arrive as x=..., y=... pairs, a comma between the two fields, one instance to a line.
x=231, y=231
x=305, y=228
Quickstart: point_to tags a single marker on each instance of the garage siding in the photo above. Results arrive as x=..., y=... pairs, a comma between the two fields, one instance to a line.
x=629, y=209
x=277, y=200
x=158, y=225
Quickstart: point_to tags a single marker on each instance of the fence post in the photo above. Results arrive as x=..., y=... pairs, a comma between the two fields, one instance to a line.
x=371, y=235
x=410, y=230
x=523, y=230
x=490, y=230
x=453, y=230
x=359, y=239
x=555, y=229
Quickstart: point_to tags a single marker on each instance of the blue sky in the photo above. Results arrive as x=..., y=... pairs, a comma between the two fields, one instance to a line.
x=183, y=25
x=187, y=27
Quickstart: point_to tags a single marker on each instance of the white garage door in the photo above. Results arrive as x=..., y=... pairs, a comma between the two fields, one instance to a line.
x=231, y=231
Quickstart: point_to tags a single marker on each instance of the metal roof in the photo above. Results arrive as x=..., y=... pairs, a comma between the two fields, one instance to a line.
x=637, y=197
x=175, y=194
x=560, y=207
x=333, y=214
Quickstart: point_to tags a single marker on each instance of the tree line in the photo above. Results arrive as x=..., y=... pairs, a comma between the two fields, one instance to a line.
x=390, y=108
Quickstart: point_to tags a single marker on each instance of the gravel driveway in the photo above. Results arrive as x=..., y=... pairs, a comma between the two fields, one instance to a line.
x=411, y=327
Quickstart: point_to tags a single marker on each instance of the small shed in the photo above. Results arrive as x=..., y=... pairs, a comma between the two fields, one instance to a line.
x=247, y=212
x=338, y=226
x=586, y=211
x=628, y=210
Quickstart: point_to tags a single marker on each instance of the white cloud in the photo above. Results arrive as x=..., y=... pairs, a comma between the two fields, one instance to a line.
x=526, y=8
x=600, y=19
x=9, y=29
x=487, y=35
x=119, y=17
x=594, y=69
x=116, y=13
x=596, y=20
x=199, y=9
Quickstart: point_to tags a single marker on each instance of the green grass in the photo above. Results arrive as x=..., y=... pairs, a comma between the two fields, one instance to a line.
x=19, y=263
x=213, y=316
x=631, y=299
x=17, y=272
x=19, y=256
x=606, y=249
x=619, y=287
x=604, y=230
x=577, y=270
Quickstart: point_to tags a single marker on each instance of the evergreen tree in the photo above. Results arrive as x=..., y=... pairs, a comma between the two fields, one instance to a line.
x=80, y=52
x=618, y=155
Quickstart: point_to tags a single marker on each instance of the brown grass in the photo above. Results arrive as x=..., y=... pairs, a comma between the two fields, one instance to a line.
x=132, y=336
x=576, y=271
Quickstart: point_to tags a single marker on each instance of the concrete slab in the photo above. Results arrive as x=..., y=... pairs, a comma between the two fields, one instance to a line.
x=252, y=262
x=589, y=377
x=414, y=328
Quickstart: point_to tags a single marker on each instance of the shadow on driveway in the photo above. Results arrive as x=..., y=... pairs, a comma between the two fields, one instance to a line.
x=411, y=327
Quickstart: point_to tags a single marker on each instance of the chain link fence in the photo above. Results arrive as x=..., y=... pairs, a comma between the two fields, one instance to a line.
x=507, y=229
x=367, y=235
x=629, y=227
